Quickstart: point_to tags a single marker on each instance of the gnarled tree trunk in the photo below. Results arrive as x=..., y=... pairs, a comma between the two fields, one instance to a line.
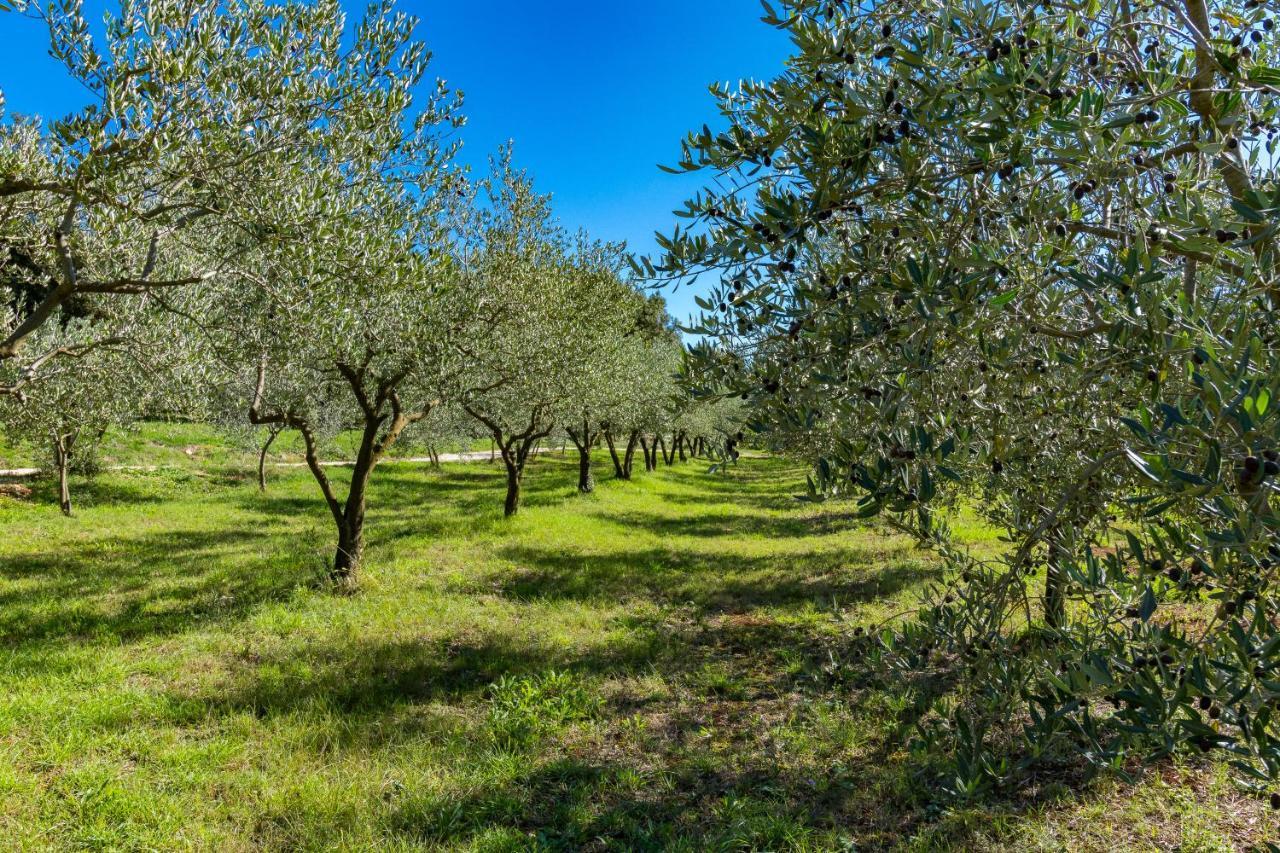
x=384, y=422
x=512, y=503
x=514, y=450
x=650, y=449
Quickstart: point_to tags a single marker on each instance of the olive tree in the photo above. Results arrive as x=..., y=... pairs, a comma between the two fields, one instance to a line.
x=1024, y=255
x=79, y=398
x=543, y=316
x=345, y=345
x=344, y=327
x=202, y=118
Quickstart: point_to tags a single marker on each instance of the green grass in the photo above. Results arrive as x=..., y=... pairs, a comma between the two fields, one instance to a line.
x=163, y=444
x=663, y=665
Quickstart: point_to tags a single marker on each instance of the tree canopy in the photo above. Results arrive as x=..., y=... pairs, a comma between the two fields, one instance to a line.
x=1024, y=255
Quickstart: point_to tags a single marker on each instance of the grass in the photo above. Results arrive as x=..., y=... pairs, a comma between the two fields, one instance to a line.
x=662, y=665
x=159, y=444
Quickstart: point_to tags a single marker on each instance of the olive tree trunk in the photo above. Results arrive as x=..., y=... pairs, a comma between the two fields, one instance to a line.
x=633, y=440
x=650, y=449
x=618, y=470
x=1055, y=611
x=514, y=448
x=384, y=422
x=262, y=456
x=583, y=440
x=63, y=446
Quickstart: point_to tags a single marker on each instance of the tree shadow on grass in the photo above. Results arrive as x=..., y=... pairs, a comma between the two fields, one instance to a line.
x=711, y=582
x=126, y=588
x=384, y=691
x=95, y=492
x=464, y=497
x=737, y=525
x=576, y=803
x=600, y=784
x=628, y=803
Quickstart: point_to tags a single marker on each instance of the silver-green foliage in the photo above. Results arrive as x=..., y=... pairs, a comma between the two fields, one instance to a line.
x=1024, y=255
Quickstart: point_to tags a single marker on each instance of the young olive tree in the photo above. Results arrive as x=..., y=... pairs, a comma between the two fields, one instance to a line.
x=77, y=399
x=543, y=318
x=344, y=327
x=203, y=117
x=347, y=346
x=1025, y=255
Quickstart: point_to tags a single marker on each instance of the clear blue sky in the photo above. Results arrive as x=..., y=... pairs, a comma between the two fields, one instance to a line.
x=594, y=93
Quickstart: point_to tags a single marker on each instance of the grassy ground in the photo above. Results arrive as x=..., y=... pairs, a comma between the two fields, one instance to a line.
x=660, y=666
x=186, y=445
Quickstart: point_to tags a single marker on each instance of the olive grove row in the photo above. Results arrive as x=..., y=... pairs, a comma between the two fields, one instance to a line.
x=259, y=217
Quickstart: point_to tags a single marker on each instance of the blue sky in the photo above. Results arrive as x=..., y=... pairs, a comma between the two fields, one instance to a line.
x=594, y=93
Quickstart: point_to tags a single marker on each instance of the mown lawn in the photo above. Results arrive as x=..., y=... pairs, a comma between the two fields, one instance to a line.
x=664, y=665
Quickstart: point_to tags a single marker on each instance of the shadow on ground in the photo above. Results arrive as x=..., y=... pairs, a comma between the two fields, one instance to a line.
x=723, y=717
